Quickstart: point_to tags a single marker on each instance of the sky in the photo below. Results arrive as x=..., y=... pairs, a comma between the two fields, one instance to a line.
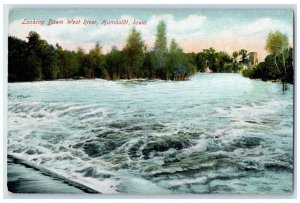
x=194, y=29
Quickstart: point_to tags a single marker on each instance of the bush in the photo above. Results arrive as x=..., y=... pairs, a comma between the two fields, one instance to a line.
x=247, y=73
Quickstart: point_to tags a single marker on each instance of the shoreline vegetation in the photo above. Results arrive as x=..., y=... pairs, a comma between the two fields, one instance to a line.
x=36, y=60
x=278, y=65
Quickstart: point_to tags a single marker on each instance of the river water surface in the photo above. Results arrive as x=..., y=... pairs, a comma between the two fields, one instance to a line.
x=215, y=133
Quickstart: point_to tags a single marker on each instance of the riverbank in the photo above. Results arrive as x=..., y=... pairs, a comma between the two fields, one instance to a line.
x=23, y=177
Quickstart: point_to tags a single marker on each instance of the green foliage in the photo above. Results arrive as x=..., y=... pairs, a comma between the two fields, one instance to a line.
x=247, y=73
x=34, y=67
x=17, y=60
x=276, y=42
x=201, y=61
x=95, y=62
x=114, y=63
x=82, y=60
x=222, y=62
x=68, y=63
x=37, y=60
x=179, y=65
x=217, y=61
x=243, y=53
x=148, y=68
x=34, y=60
x=289, y=66
x=210, y=58
x=134, y=50
x=267, y=70
x=278, y=65
x=160, y=50
x=235, y=55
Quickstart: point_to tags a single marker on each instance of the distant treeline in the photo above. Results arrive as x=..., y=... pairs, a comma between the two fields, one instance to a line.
x=35, y=59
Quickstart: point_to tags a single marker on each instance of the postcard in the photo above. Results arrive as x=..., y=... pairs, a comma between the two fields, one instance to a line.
x=150, y=100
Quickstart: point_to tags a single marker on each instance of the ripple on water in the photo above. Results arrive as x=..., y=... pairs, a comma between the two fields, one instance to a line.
x=158, y=137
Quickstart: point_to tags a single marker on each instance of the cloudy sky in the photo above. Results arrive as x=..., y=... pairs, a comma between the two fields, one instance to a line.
x=194, y=29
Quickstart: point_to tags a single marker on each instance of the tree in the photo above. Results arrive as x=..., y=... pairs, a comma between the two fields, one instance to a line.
x=276, y=44
x=94, y=61
x=148, y=65
x=289, y=66
x=68, y=63
x=82, y=60
x=244, y=56
x=33, y=70
x=235, y=54
x=201, y=61
x=160, y=49
x=178, y=65
x=134, y=49
x=223, y=62
x=34, y=52
x=50, y=67
x=17, y=59
x=210, y=56
x=45, y=55
x=175, y=61
x=269, y=68
x=236, y=67
x=192, y=58
x=114, y=63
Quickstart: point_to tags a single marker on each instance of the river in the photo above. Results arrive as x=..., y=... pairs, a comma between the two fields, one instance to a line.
x=215, y=133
